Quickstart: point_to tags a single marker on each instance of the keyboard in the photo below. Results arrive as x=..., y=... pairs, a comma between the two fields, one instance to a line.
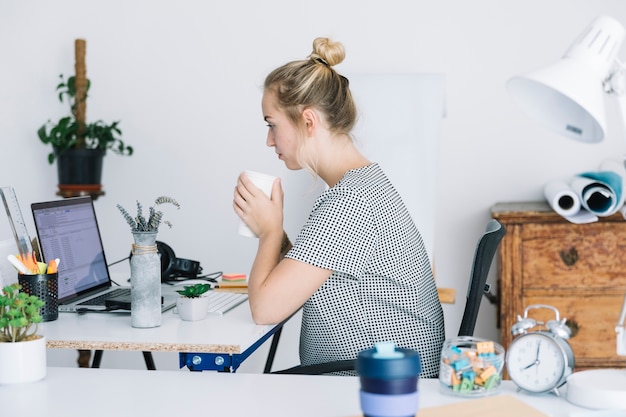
x=220, y=302
x=100, y=300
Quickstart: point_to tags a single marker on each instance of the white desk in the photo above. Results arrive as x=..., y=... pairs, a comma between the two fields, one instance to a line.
x=215, y=343
x=114, y=392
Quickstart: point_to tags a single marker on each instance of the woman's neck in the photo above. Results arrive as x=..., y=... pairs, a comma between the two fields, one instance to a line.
x=339, y=157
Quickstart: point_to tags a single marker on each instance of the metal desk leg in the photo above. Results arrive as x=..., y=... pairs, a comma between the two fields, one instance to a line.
x=149, y=360
x=97, y=358
x=147, y=357
x=272, y=353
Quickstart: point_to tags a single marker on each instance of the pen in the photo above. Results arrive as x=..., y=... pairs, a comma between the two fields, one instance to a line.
x=53, y=266
x=18, y=264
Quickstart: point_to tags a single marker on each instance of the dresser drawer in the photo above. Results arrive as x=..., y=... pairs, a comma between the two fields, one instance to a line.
x=593, y=319
x=579, y=269
x=574, y=256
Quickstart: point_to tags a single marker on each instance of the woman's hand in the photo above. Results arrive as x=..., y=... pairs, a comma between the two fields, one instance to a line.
x=261, y=214
x=273, y=292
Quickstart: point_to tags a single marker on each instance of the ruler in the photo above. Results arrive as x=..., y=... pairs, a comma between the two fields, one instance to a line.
x=12, y=206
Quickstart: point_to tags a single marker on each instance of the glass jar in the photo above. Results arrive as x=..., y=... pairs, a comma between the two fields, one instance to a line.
x=471, y=367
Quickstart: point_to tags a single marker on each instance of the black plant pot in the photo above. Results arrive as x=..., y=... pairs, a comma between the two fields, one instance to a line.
x=80, y=171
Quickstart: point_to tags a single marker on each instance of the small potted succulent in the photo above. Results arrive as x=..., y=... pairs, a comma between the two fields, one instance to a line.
x=192, y=305
x=22, y=350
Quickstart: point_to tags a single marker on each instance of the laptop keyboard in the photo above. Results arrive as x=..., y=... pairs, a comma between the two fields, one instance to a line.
x=220, y=302
x=100, y=300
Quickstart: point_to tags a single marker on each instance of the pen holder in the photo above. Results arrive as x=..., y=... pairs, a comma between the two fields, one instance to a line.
x=46, y=287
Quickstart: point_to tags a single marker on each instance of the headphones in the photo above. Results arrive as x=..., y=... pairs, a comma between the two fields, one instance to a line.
x=173, y=268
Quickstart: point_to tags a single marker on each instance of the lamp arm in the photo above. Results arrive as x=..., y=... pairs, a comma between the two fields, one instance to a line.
x=619, y=329
x=622, y=314
x=615, y=83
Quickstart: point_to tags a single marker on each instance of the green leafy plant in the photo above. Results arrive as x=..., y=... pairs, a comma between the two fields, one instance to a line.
x=194, y=291
x=70, y=132
x=19, y=312
x=151, y=224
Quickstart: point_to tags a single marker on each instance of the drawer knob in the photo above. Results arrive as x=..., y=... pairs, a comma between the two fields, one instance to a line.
x=573, y=327
x=569, y=257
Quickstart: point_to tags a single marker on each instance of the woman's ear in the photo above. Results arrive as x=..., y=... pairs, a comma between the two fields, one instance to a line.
x=311, y=121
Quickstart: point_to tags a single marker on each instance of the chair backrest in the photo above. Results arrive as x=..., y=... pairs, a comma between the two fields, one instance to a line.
x=483, y=257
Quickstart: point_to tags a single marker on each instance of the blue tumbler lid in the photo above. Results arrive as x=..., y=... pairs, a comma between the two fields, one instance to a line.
x=385, y=361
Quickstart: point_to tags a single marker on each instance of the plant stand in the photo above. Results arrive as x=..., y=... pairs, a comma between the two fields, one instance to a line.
x=80, y=190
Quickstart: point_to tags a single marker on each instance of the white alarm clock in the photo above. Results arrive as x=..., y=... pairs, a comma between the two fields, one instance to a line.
x=540, y=361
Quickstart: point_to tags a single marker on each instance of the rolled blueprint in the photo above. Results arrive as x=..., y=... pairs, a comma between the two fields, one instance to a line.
x=600, y=192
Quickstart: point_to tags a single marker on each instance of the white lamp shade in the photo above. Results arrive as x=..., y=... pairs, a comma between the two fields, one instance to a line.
x=568, y=96
x=565, y=98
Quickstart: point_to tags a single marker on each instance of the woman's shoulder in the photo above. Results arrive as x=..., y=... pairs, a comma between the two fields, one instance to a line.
x=362, y=178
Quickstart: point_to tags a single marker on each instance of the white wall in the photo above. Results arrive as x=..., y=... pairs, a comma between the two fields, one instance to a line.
x=184, y=79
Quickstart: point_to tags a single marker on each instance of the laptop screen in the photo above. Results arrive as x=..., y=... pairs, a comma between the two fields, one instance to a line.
x=67, y=229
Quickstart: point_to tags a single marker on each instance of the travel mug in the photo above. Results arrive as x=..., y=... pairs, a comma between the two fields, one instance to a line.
x=389, y=377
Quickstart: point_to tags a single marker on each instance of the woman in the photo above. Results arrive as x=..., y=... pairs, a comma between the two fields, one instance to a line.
x=358, y=267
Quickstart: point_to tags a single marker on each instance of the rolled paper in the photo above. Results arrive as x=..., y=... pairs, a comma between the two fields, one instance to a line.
x=600, y=192
x=562, y=198
x=566, y=202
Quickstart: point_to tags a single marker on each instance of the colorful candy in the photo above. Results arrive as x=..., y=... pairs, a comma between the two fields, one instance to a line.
x=471, y=366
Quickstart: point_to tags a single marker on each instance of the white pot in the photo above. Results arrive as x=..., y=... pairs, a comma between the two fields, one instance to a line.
x=22, y=361
x=192, y=309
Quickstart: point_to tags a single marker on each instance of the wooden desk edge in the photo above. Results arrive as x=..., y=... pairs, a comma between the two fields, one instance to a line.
x=152, y=347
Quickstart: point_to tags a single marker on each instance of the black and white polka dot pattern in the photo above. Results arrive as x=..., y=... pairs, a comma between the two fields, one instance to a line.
x=382, y=287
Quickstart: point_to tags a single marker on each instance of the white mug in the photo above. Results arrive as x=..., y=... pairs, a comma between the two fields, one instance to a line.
x=264, y=182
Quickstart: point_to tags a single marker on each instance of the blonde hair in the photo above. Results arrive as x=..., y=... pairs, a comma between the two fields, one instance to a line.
x=313, y=83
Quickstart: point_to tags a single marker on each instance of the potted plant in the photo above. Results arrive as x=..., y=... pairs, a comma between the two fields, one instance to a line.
x=139, y=223
x=192, y=305
x=77, y=146
x=145, y=263
x=22, y=350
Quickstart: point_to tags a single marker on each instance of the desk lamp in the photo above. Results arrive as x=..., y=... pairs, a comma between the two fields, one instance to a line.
x=568, y=98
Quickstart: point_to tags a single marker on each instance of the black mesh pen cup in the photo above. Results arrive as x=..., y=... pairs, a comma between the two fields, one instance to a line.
x=46, y=287
x=389, y=378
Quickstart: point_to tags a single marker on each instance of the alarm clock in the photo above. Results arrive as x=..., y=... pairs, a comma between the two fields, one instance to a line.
x=540, y=361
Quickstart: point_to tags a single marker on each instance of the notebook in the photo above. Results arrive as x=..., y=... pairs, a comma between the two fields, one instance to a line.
x=68, y=229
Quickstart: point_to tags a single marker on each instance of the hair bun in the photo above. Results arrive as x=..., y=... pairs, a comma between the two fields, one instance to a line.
x=327, y=52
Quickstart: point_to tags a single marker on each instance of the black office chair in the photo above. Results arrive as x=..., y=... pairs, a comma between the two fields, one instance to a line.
x=483, y=257
x=485, y=251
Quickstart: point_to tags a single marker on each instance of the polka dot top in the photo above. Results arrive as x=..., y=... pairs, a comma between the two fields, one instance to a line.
x=382, y=287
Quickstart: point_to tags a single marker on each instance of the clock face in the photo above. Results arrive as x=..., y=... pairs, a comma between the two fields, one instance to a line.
x=536, y=362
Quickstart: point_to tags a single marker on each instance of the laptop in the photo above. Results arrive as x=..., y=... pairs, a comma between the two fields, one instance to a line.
x=68, y=229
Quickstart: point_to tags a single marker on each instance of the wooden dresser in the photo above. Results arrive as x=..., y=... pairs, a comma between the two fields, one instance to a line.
x=579, y=269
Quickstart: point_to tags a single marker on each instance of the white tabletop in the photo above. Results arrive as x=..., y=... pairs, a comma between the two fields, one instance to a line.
x=233, y=332
x=116, y=392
